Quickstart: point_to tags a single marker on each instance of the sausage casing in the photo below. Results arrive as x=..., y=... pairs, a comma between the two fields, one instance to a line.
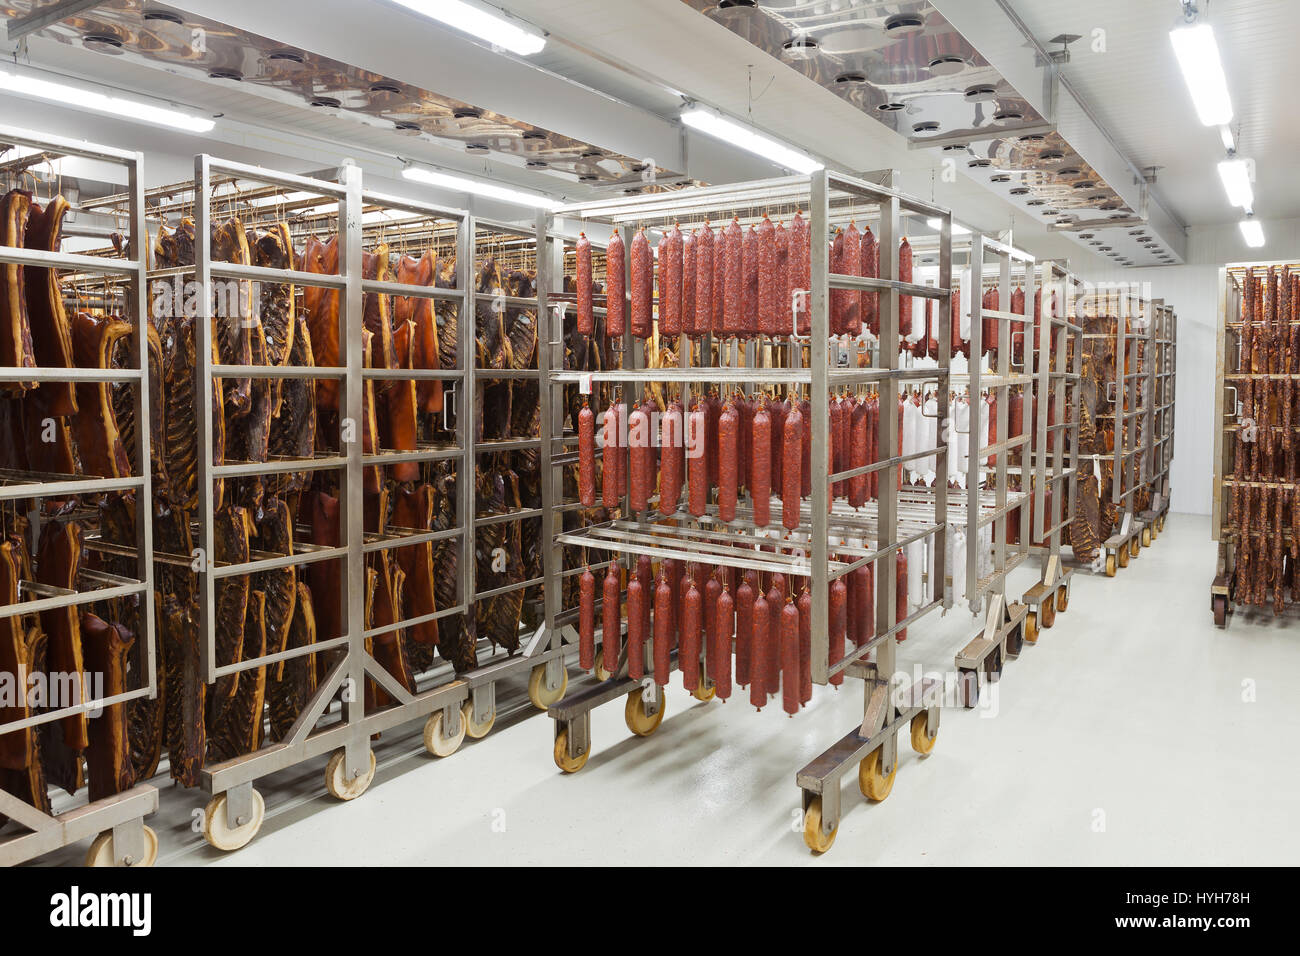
x=728, y=450
x=733, y=279
x=744, y=629
x=587, y=620
x=799, y=269
x=636, y=629
x=615, y=288
x=790, y=679
x=586, y=314
x=719, y=654
x=663, y=626
x=672, y=456
x=760, y=485
x=792, y=468
x=835, y=622
x=697, y=474
x=688, y=653
x=587, y=456
x=642, y=286
x=760, y=650
x=670, y=283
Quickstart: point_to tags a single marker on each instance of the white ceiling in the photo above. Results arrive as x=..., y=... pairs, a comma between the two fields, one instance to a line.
x=1138, y=93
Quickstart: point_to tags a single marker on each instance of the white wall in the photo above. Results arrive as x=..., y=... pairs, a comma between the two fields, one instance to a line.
x=1193, y=291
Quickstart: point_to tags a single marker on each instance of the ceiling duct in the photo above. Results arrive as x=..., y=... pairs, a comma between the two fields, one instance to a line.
x=964, y=79
x=165, y=39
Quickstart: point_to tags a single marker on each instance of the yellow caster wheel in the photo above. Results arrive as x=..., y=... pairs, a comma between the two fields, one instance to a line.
x=101, y=851
x=1110, y=565
x=602, y=673
x=873, y=784
x=1062, y=598
x=1048, y=610
x=1031, y=628
x=638, y=721
x=541, y=696
x=472, y=727
x=1123, y=555
x=922, y=742
x=1135, y=547
x=218, y=831
x=818, y=840
x=1146, y=537
x=703, y=689
x=438, y=741
x=343, y=788
x=563, y=760
x=1160, y=524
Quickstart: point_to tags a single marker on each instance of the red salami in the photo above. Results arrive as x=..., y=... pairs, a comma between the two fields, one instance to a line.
x=611, y=485
x=769, y=293
x=697, y=475
x=641, y=453
x=728, y=449
x=586, y=314
x=761, y=470
x=905, y=301
x=637, y=614
x=871, y=268
x=791, y=681
x=775, y=601
x=900, y=594
x=749, y=312
x=663, y=624
x=587, y=620
x=792, y=469
x=760, y=652
x=863, y=627
x=733, y=284
x=858, y=444
x=615, y=288
x=836, y=626
x=837, y=448
x=643, y=281
x=688, y=283
x=781, y=283
x=719, y=653
x=799, y=269
x=688, y=654
x=611, y=595
x=587, y=456
x=744, y=629
x=672, y=451
x=805, y=645
x=670, y=283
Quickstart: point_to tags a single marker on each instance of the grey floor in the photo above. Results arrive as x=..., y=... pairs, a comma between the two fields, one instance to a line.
x=1133, y=733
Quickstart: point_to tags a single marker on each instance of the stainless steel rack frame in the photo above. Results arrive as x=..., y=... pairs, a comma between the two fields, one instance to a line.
x=828, y=197
x=1055, y=449
x=119, y=819
x=1229, y=419
x=1002, y=634
x=1162, y=384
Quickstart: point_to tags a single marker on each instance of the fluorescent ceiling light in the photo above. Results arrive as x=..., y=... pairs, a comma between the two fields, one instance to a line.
x=474, y=20
x=478, y=187
x=1225, y=134
x=1235, y=174
x=1252, y=232
x=85, y=99
x=737, y=134
x=1198, y=56
x=957, y=228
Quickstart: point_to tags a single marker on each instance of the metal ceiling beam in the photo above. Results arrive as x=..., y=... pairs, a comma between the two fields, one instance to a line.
x=994, y=28
x=42, y=17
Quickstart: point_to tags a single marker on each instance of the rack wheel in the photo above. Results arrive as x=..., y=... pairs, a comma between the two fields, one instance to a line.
x=1122, y=554
x=1110, y=565
x=436, y=739
x=703, y=689
x=474, y=729
x=873, y=784
x=1062, y=598
x=344, y=789
x=1015, y=642
x=1031, y=627
x=1219, y=603
x=563, y=760
x=1160, y=523
x=1134, y=547
x=220, y=834
x=1049, y=614
x=993, y=666
x=602, y=673
x=968, y=683
x=638, y=721
x=817, y=840
x=1146, y=537
x=538, y=693
x=922, y=742
x=101, y=850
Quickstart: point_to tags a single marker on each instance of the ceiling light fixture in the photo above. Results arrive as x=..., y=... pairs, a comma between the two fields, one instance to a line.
x=495, y=28
x=1235, y=174
x=1198, y=56
x=737, y=134
x=1225, y=134
x=84, y=99
x=478, y=187
x=1252, y=231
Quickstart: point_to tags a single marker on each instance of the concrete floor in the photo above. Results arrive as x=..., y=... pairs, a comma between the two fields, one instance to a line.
x=1133, y=733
